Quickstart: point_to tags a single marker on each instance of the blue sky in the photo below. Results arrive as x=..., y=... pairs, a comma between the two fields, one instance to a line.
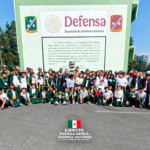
x=140, y=28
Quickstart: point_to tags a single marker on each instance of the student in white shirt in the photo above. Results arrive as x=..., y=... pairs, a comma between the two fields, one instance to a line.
x=25, y=97
x=70, y=82
x=122, y=81
x=79, y=80
x=101, y=86
x=97, y=77
x=118, y=96
x=107, y=97
x=84, y=95
x=142, y=97
x=3, y=99
x=40, y=80
x=23, y=80
x=105, y=80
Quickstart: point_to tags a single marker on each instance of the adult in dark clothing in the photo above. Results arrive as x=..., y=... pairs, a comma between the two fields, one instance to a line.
x=64, y=77
x=136, y=81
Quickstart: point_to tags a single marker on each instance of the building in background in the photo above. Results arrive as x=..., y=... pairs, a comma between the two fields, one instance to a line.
x=144, y=58
x=93, y=34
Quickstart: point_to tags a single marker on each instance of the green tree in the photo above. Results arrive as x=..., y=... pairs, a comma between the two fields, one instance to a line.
x=138, y=65
x=9, y=52
x=148, y=67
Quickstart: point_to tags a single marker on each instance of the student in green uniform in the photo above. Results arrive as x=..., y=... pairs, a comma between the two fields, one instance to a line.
x=40, y=81
x=12, y=96
x=25, y=97
x=60, y=98
x=86, y=82
x=45, y=75
x=92, y=92
x=118, y=96
x=57, y=81
x=12, y=78
x=112, y=82
x=32, y=80
x=28, y=70
x=75, y=95
x=50, y=95
x=42, y=95
x=131, y=97
x=33, y=94
x=68, y=94
x=50, y=82
x=5, y=79
x=1, y=82
x=3, y=99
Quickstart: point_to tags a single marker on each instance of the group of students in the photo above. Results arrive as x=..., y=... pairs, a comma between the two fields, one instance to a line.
x=102, y=88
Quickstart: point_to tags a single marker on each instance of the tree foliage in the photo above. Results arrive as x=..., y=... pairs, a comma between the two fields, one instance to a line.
x=138, y=65
x=8, y=46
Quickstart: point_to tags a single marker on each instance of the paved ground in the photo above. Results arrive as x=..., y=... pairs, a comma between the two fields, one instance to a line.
x=37, y=127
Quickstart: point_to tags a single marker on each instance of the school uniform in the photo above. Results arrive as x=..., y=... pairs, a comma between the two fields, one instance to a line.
x=112, y=82
x=34, y=96
x=1, y=82
x=61, y=97
x=14, y=79
x=75, y=96
x=50, y=82
x=86, y=83
x=79, y=81
x=42, y=96
x=105, y=96
x=102, y=87
x=13, y=96
x=45, y=77
x=97, y=79
x=118, y=98
x=6, y=86
x=31, y=80
x=85, y=95
x=99, y=97
x=92, y=92
x=128, y=97
x=23, y=82
x=105, y=82
x=40, y=82
x=4, y=96
x=122, y=82
x=57, y=82
x=141, y=97
x=50, y=96
x=68, y=94
x=70, y=83
x=24, y=98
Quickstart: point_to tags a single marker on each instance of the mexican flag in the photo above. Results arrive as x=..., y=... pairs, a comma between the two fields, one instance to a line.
x=74, y=123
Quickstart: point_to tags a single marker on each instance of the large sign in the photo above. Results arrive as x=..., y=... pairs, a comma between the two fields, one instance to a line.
x=91, y=35
x=74, y=23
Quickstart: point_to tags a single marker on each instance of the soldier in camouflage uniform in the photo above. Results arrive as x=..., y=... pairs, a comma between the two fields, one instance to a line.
x=4, y=69
x=71, y=67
